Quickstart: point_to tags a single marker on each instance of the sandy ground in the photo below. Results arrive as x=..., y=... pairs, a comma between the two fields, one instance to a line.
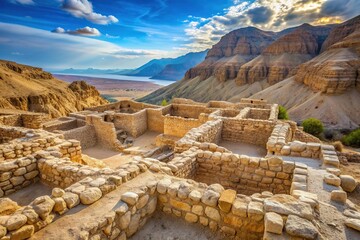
x=144, y=142
x=166, y=227
x=117, y=89
x=26, y=195
x=244, y=148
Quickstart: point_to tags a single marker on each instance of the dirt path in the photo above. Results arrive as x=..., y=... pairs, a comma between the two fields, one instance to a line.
x=166, y=227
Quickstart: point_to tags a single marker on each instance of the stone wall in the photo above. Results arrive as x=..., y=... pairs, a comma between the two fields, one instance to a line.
x=155, y=119
x=28, y=120
x=11, y=120
x=258, y=113
x=179, y=126
x=86, y=135
x=127, y=106
x=63, y=124
x=302, y=136
x=246, y=175
x=17, y=174
x=350, y=156
x=248, y=131
x=105, y=132
x=220, y=104
x=187, y=111
x=135, y=124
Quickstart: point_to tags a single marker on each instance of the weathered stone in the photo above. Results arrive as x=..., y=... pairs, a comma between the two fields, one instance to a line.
x=226, y=200
x=90, y=195
x=338, y=196
x=198, y=209
x=210, y=198
x=24, y=232
x=273, y=223
x=142, y=201
x=332, y=180
x=180, y=205
x=255, y=211
x=122, y=208
x=297, y=146
x=130, y=198
x=275, y=161
x=353, y=223
x=239, y=208
x=124, y=220
x=43, y=206
x=133, y=225
x=71, y=199
x=195, y=196
x=348, y=183
x=190, y=217
x=3, y=231
x=7, y=206
x=57, y=192
x=60, y=205
x=334, y=171
x=352, y=214
x=16, y=221
x=212, y=213
x=300, y=227
x=163, y=185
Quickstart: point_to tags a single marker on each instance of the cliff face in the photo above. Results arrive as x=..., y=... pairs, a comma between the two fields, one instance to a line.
x=337, y=69
x=32, y=89
x=233, y=50
x=281, y=58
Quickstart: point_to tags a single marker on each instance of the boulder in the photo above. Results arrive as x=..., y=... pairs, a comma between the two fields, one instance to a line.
x=331, y=179
x=43, y=206
x=71, y=199
x=90, y=195
x=297, y=146
x=24, y=232
x=338, y=196
x=348, y=183
x=57, y=192
x=353, y=223
x=7, y=206
x=300, y=227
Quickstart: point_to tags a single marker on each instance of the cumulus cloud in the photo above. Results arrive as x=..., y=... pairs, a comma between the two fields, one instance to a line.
x=23, y=2
x=84, y=9
x=86, y=31
x=66, y=50
x=272, y=15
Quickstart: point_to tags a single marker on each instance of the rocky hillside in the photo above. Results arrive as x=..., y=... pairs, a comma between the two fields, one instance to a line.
x=32, y=89
x=303, y=68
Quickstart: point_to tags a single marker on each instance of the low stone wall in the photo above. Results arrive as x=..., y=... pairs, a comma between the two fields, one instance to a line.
x=63, y=124
x=28, y=120
x=123, y=106
x=86, y=135
x=155, y=119
x=105, y=132
x=302, y=136
x=17, y=174
x=280, y=135
x=209, y=132
x=220, y=104
x=187, y=111
x=179, y=126
x=135, y=124
x=11, y=120
x=247, y=130
x=246, y=175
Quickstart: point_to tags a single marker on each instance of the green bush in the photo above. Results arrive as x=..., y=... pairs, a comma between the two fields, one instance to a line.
x=313, y=126
x=283, y=113
x=352, y=139
x=164, y=102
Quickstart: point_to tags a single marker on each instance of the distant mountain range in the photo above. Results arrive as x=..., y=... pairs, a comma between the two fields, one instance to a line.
x=168, y=68
x=163, y=69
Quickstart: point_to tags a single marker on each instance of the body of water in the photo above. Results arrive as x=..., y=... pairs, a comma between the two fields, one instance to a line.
x=122, y=77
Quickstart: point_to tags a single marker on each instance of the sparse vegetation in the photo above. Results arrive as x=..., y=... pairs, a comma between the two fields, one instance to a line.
x=313, y=126
x=352, y=139
x=109, y=98
x=164, y=102
x=338, y=146
x=283, y=113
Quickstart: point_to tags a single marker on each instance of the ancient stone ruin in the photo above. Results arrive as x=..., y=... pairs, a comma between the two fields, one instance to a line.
x=224, y=170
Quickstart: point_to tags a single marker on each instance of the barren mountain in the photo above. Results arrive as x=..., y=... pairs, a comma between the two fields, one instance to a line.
x=324, y=62
x=32, y=89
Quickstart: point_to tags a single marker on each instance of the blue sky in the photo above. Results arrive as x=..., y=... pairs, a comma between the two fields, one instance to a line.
x=125, y=34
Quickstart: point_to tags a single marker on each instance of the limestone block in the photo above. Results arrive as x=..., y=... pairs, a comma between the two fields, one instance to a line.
x=348, y=183
x=15, y=221
x=60, y=205
x=210, y=198
x=353, y=223
x=142, y=201
x=198, y=209
x=90, y=195
x=332, y=180
x=300, y=227
x=32, y=216
x=273, y=223
x=334, y=171
x=338, y=196
x=130, y=198
x=71, y=199
x=180, y=205
x=57, y=192
x=212, y=213
x=352, y=213
x=43, y=206
x=226, y=200
x=297, y=146
x=124, y=220
x=195, y=196
x=163, y=185
x=255, y=210
x=3, y=231
x=275, y=161
x=24, y=232
x=190, y=217
x=285, y=150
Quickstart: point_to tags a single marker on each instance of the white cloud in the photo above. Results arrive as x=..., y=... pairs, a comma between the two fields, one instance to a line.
x=86, y=31
x=84, y=9
x=272, y=15
x=46, y=49
x=24, y=2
